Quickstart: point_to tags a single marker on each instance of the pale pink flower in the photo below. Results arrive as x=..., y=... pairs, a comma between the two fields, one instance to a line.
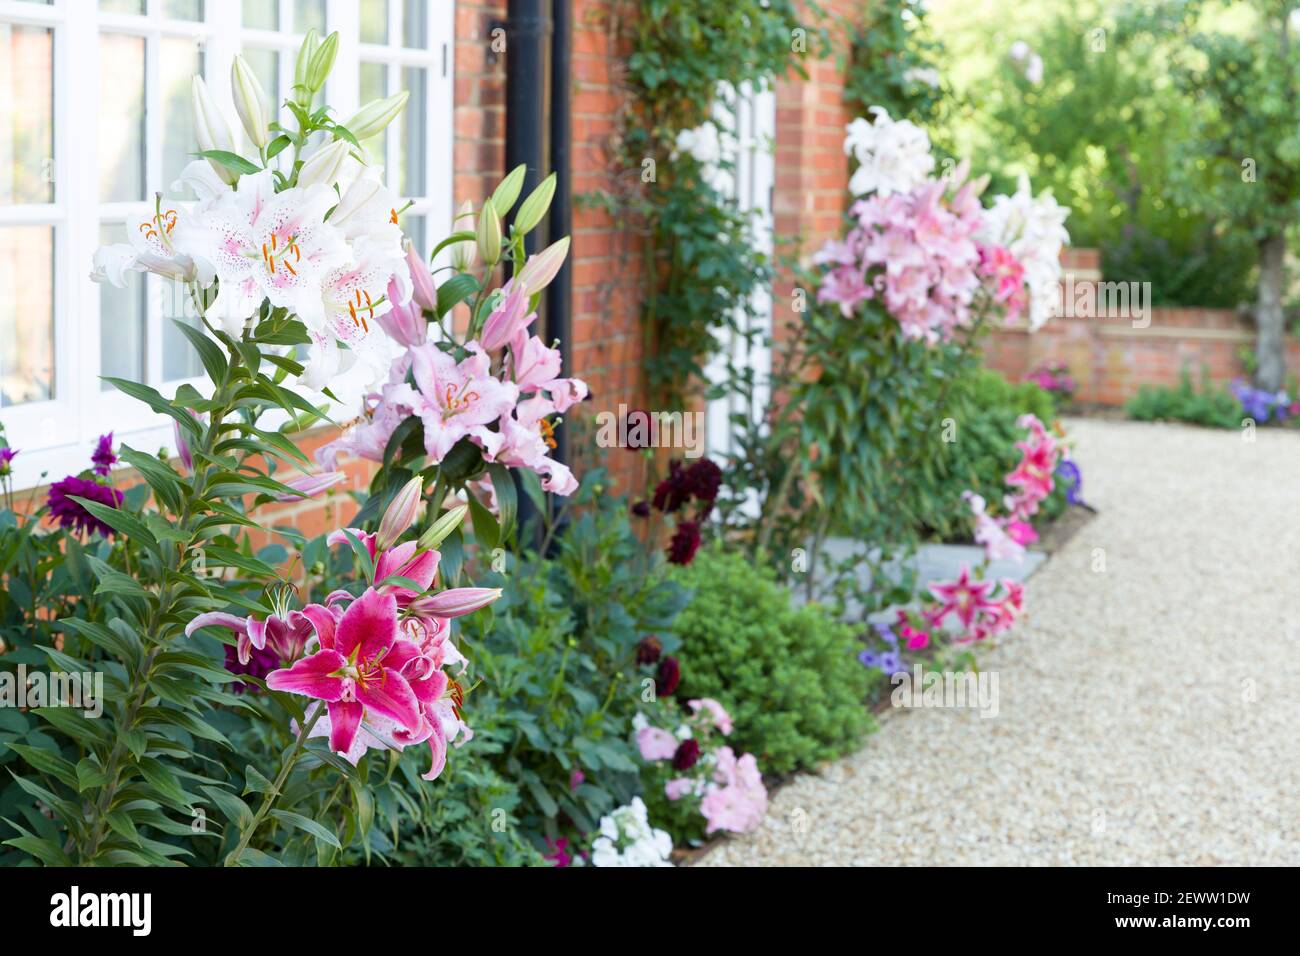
x=717, y=714
x=656, y=744
x=459, y=399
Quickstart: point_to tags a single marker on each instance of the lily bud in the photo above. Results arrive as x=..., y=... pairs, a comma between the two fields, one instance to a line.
x=302, y=92
x=310, y=485
x=463, y=254
x=423, y=291
x=251, y=103
x=534, y=207
x=211, y=129
x=322, y=62
x=403, y=324
x=441, y=528
x=454, y=603
x=400, y=514
x=489, y=233
x=540, y=269
x=504, y=196
x=370, y=120
x=325, y=165
x=507, y=318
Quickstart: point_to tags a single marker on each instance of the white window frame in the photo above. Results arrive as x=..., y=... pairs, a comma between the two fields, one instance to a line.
x=55, y=437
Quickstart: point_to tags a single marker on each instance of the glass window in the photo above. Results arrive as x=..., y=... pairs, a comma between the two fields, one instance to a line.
x=374, y=21
x=183, y=9
x=121, y=118
x=122, y=320
x=261, y=15
x=415, y=24
x=308, y=14
x=26, y=134
x=412, y=133
x=26, y=314
x=179, y=60
x=122, y=6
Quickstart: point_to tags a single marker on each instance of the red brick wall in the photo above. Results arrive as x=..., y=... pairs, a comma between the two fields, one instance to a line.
x=1110, y=358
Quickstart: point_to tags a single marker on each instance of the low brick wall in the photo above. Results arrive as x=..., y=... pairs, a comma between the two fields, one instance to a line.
x=1111, y=357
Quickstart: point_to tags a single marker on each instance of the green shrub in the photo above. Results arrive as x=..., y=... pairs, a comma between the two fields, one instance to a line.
x=788, y=675
x=984, y=452
x=1212, y=406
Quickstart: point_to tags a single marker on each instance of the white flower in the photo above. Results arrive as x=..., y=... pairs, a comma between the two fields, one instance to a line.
x=1019, y=51
x=262, y=244
x=893, y=157
x=151, y=247
x=703, y=143
x=1034, y=70
x=926, y=75
x=1033, y=229
x=627, y=839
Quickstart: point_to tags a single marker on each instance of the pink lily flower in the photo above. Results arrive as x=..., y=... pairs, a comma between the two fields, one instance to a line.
x=459, y=399
x=534, y=363
x=403, y=323
x=510, y=317
x=963, y=596
x=403, y=560
x=357, y=670
x=526, y=440
x=286, y=635
x=310, y=485
x=423, y=292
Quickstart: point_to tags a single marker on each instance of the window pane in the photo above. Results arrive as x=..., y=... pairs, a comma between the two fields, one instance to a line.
x=27, y=111
x=415, y=24
x=26, y=314
x=411, y=133
x=308, y=14
x=414, y=226
x=179, y=59
x=183, y=9
x=262, y=14
x=374, y=86
x=374, y=21
x=179, y=358
x=121, y=117
x=122, y=6
x=122, y=320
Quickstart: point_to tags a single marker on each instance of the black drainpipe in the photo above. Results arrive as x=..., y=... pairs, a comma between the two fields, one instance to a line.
x=559, y=294
x=528, y=27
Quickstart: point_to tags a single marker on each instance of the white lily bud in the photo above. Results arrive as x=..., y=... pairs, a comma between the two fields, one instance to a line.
x=251, y=103
x=322, y=62
x=463, y=254
x=535, y=206
x=211, y=129
x=371, y=119
x=325, y=165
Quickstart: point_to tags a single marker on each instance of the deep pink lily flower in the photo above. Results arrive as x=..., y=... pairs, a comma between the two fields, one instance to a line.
x=963, y=596
x=401, y=560
x=357, y=670
x=285, y=634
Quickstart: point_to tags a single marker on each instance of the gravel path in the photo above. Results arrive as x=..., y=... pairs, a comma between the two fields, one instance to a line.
x=1149, y=712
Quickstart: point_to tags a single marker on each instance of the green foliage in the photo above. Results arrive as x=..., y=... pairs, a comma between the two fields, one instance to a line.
x=702, y=261
x=788, y=675
x=984, y=452
x=893, y=56
x=1211, y=406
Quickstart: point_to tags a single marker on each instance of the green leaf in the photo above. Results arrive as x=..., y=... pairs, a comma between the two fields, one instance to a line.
x=503, y=484
x=486, y=531
x=231, y=807
x=210, y=354
x=121, y=521
x=298, y=821
x=454, y=291
x=277, y=146
x=232, y=161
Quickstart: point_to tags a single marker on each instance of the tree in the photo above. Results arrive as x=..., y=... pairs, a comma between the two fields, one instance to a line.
x=1244, y=163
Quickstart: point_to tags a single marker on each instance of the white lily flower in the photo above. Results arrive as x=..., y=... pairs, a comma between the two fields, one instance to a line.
x=211, y=129
x=261, y=244
x=150, y=247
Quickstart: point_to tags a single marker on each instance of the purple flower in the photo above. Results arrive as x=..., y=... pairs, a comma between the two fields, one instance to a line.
x=891, y=662
x=103, y=457
x=70, y=514
x=887, y=634
x=6, y=456
x=685, y=542
x=869, y=658
x=1069, y=473
x=260, y=663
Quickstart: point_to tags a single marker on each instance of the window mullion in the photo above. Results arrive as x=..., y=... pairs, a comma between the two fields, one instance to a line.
x=76, y=298
x=153, y=151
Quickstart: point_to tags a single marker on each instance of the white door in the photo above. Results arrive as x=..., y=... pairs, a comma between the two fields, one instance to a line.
x=750, y=116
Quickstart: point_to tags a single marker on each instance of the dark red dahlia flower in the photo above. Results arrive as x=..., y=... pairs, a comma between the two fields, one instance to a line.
x=685, y=542
x=70, y=514
x=668, y=676
x=688, y=752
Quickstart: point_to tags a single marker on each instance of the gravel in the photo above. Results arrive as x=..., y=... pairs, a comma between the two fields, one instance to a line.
x=1149, y=709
